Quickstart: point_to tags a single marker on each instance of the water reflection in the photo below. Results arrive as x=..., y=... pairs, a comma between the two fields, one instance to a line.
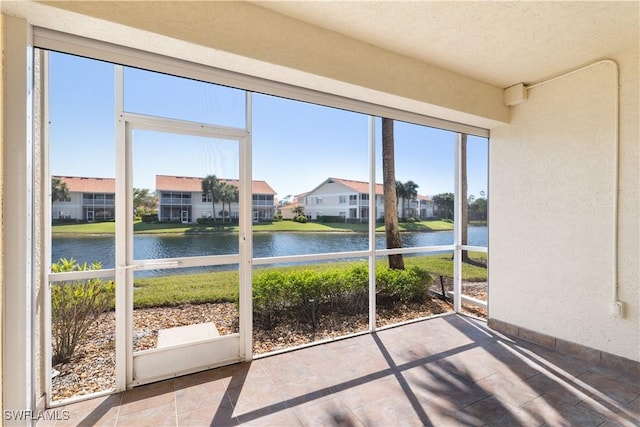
x=154, y=246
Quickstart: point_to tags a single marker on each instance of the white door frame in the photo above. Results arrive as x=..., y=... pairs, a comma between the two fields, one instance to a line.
x=157, y=364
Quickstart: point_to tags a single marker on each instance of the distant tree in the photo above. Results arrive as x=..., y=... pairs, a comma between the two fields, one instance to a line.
x=410, y=191
x=211, y=185
x=391, y=227
x=401, y=193
x=144, y=200
x=444, y=204
x=228, y=193
x=59, y=190
x=478, y=209
x=285, y=201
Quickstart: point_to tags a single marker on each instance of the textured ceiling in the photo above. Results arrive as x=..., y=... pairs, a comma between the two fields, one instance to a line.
x=501, y=43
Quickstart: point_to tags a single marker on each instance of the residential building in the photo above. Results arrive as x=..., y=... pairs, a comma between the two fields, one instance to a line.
x=288, y=211
x=181, y=199
x=349, y=200
x=90, y=199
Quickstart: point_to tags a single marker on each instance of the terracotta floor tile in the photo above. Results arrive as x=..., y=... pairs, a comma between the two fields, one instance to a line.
x=153, y=416
x=448, y=371
x=555, y=412
x=280, y=416
x=200, y=395
x=367, y=392
x=390, y=412
x=213, y=415
x=607, y=388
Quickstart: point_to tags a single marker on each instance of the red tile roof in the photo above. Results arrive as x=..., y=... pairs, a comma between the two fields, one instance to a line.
x=194, y=184
x=363, y=186
x=88, y=185
x=358, y=186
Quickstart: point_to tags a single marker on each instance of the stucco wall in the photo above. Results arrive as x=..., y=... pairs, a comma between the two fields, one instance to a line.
x=551, y=212
x=244, y=36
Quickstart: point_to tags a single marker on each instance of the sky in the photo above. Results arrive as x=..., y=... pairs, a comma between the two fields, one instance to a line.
x=295, y=145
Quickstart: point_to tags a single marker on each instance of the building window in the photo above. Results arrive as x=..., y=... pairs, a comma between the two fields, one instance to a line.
x=318, y=200
x=342, y=199
x=206, y=197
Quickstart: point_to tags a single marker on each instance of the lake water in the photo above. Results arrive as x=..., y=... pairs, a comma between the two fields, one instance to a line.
x=152, y=246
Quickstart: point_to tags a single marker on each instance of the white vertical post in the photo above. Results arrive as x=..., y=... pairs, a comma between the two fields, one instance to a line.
x=17, y=381
x=457, y=228
x=246, y=240
x=47, y=213
x=123, y=370
x=372, y=224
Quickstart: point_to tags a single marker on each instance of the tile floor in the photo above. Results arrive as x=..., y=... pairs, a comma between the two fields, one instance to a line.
x=446, y=371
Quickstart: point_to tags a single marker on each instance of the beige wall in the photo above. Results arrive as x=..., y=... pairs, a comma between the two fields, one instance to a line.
x=551, y=210
x=249, y=36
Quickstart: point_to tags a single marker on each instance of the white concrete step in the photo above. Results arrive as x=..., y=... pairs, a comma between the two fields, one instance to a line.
x=186, y=334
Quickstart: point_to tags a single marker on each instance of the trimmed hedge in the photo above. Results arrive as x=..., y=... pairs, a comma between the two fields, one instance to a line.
x=309, y=294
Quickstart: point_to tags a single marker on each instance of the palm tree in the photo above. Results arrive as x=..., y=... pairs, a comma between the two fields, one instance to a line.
x=392, y=230
x=59, y=190
x=410, y=191
x=211, y=185
x=144, y=200
x=228, y=193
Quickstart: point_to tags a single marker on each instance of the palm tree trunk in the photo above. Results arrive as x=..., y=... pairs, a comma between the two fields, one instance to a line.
x=390, y=200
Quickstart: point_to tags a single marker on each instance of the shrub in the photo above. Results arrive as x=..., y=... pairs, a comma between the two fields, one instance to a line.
x=354, y=290
x=205, y=221
x=330, y=218
x=269, y=296
x=149, y=218
x=75, y=306
x=308, y=294
x=406, y=285
x=300, y=218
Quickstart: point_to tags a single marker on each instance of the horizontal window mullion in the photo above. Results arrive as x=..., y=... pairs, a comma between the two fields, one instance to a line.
x=82, y=275
x=310, y=257
x=474, y=248
x=400, y=251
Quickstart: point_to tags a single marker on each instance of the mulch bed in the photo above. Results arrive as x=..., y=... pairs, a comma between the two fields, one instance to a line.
x=92, y=367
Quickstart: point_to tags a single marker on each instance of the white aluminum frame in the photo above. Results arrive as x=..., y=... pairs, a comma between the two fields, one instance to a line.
x=155, y=364
x=125, y=265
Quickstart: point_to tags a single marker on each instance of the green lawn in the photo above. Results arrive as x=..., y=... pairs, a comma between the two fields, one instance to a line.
x=223, y=286
x=278, y=226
